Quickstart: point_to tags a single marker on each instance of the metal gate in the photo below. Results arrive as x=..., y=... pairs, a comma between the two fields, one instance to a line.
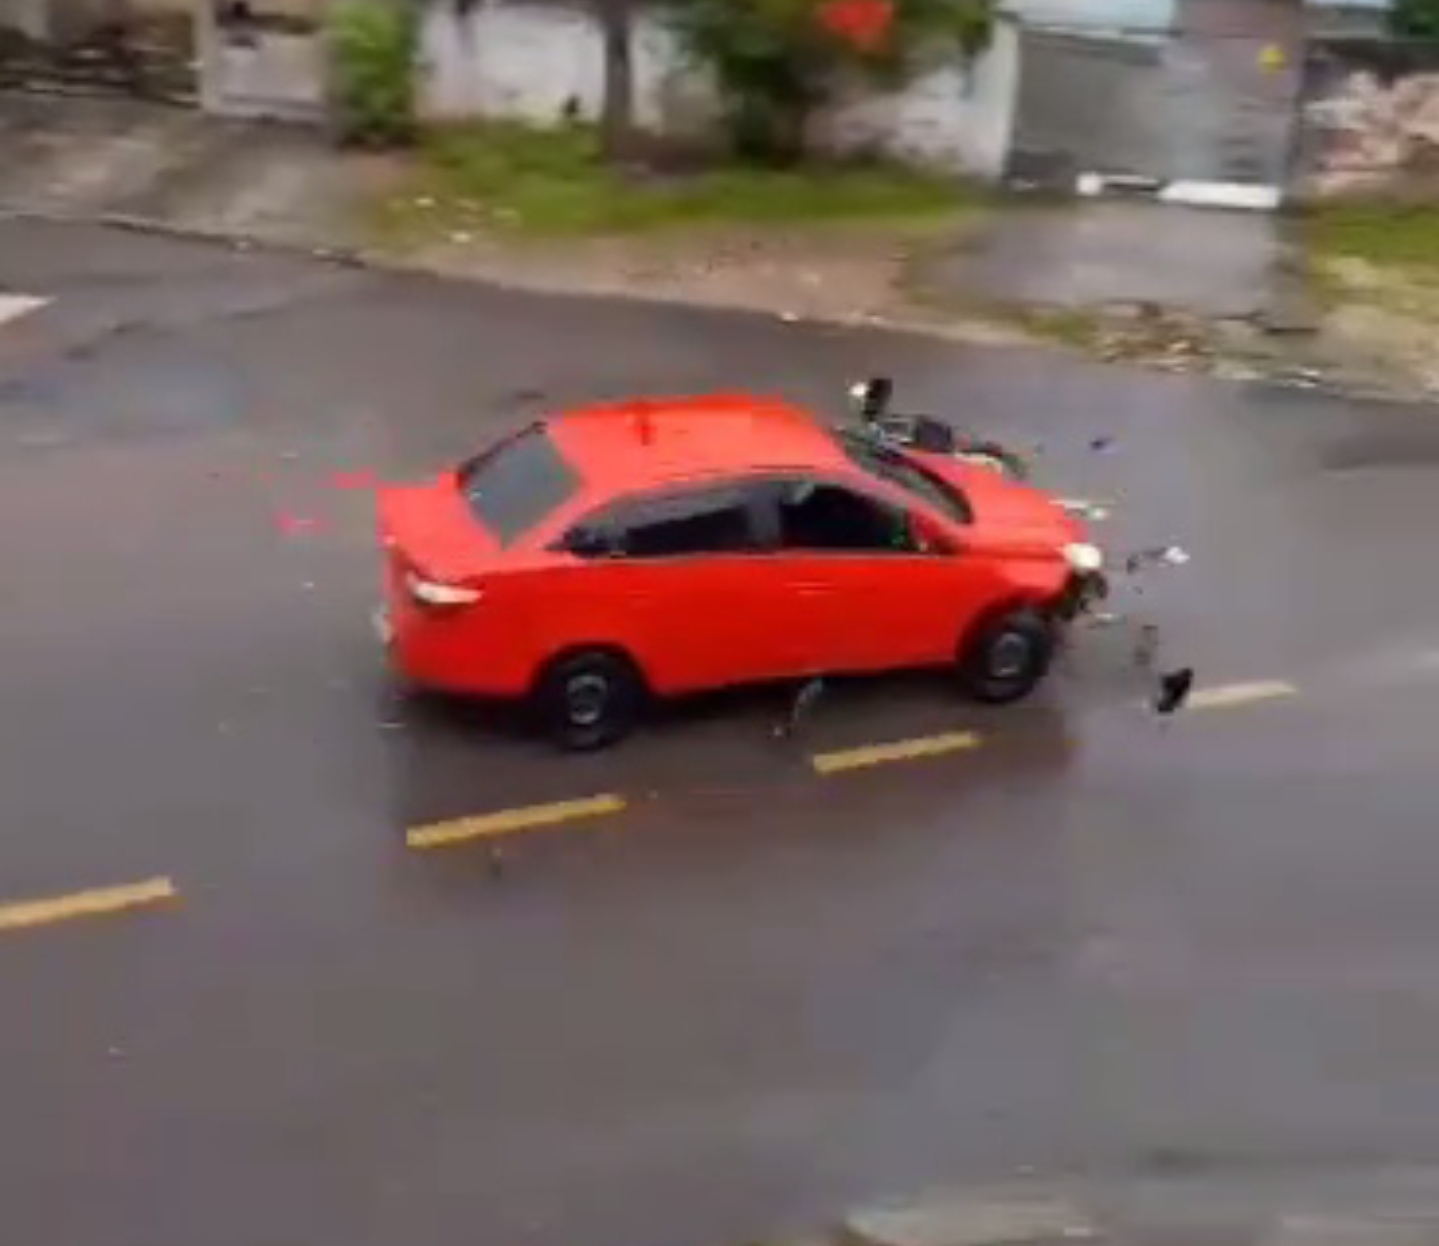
x=143, y=48
x=1195, y=104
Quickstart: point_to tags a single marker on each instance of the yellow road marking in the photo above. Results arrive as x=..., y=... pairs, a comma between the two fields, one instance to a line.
x=509, y=821
x=1226, y=696
x=101, y=900
x=899, y=750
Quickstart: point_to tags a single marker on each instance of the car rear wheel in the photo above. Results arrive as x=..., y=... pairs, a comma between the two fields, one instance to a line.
x=1007, y=657
x=589, y=699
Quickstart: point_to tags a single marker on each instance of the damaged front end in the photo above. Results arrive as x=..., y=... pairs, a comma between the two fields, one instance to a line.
x=1082, y=595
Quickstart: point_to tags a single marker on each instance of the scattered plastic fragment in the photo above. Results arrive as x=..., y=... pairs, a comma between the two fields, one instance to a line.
x=809, y=692
x=1164, y=555
x=362, y=479
x=1146, y=646
x=290, y=525
x=1174, y=690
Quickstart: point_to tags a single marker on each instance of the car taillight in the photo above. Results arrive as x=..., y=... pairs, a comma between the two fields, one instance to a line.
x=434, y=593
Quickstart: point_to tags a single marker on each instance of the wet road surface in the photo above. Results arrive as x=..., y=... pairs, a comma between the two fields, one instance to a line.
x=756, y=993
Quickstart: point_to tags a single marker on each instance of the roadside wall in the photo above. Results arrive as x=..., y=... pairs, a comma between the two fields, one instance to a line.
x=538, y=61
x=1369, y=119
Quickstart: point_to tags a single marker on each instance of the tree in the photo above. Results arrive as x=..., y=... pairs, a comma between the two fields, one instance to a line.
x=1415, y=19
x=776, y=61
x=617, y=110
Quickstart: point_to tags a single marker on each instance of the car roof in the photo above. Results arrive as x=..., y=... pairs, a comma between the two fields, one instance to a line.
x=644, y=442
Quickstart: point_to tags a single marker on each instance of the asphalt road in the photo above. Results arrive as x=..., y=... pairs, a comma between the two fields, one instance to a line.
x=757, y=993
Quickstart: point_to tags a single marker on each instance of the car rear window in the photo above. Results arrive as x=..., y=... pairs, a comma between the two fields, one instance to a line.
x=516, y=485
x=895, y=469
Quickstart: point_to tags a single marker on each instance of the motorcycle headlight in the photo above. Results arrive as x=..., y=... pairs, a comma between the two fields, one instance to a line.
x=1084, y=558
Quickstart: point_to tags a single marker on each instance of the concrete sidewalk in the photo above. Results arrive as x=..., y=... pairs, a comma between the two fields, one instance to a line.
x=1208, y=262
x=91, y=157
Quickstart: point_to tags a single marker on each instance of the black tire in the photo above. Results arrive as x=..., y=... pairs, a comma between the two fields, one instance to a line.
x=1007, y=657
x=589, y=699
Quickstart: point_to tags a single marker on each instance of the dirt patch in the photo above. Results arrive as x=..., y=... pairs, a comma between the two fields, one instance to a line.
x=1382, y=319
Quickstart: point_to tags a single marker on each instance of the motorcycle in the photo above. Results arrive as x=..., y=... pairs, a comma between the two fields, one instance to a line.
x=871, y=400
x=928, y=433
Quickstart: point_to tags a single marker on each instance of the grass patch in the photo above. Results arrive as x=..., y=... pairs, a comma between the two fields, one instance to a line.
x=1386, y=235
x=1067, y=327
x=512, y=178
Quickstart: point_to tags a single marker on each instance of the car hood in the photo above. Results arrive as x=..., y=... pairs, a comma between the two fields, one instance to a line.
x=1008, y=510
x=431, y=527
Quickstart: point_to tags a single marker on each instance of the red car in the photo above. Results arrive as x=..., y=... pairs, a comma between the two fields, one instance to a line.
x=661, y=547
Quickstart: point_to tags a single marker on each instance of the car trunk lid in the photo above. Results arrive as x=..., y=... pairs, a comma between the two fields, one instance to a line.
x=431, y=528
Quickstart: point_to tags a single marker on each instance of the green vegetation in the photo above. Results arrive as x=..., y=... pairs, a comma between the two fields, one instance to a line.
x=507, y=177
x=776, y=61
x=1386, y=235
x=1415, y=19
x=374, y=44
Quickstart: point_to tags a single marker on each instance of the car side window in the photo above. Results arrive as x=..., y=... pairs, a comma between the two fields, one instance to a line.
x=816, y=515
x=673, y=525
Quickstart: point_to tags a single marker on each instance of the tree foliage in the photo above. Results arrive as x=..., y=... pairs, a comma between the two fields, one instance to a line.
x=374, y=45
x=1415, y=19
x=776, y=61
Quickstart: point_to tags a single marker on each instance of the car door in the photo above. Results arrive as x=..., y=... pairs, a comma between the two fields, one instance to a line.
x=874, y=596
x=682, y=587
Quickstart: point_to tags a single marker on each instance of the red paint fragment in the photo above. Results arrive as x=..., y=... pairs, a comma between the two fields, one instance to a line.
x=292, y=524
x=353, y=480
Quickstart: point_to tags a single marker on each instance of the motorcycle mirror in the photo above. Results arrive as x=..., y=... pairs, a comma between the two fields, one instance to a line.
x=872, y=396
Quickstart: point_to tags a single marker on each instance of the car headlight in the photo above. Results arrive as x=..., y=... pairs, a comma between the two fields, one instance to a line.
x=1084, y=558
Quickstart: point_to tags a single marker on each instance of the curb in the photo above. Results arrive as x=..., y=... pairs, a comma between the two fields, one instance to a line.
x=1237, y=196
x=1063, y=1213
x=348, y=257
x=359, y=259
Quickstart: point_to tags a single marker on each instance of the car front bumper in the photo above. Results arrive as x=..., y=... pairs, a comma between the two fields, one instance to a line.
x=1081, y=594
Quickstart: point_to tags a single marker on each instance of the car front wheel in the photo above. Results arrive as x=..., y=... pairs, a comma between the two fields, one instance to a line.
x=589, y=699
x=1007, y=657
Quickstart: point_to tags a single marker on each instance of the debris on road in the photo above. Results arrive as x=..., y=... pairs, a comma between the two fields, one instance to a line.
x=1174, y=690
x=809, y=692
x=362, y=479
x=1160, y=556
x=293, y=525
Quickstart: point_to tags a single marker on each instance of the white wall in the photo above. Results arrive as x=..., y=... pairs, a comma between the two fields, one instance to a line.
x=525, y=60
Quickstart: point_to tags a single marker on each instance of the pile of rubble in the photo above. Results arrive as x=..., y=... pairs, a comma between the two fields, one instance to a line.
x=1374, y=137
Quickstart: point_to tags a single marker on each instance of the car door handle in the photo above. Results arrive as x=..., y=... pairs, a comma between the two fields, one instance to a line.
x=810, y=590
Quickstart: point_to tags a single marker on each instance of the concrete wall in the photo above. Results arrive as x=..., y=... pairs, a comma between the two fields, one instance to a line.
x=1181, y=108
x=1095, y=16
x=1370, y=119
x=530, y=61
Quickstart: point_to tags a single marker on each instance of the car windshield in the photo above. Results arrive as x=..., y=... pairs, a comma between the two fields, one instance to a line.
x=513, y=487
x=895, y=469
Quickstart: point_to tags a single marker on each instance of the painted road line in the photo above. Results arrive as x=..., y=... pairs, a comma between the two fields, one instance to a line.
x=1227, y=696
x=512, y=821
x=899, y=750
x=102, y=900
x=13, y=306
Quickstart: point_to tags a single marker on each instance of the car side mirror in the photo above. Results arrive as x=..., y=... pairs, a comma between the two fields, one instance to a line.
x=585, y=542
x=928, y=539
